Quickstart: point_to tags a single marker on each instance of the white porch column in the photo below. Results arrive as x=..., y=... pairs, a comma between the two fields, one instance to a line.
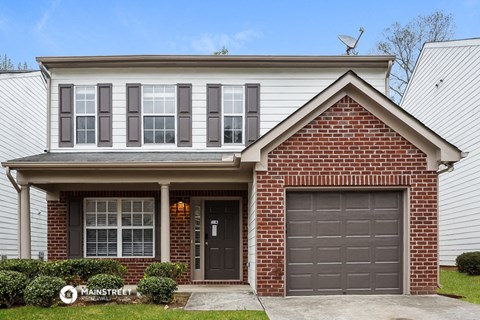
x=165, y=223
x=24, y=223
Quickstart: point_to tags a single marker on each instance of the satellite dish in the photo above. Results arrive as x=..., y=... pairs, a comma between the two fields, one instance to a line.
x=350, y=42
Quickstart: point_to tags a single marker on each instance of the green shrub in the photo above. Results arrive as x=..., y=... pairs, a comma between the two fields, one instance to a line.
x=170, y=270
x=61, y=269
x=12, y=287
x=80, y=270
x=469, y=262
x=104, y=281
x=157, y=289
x=29, y=267
x=44, y=291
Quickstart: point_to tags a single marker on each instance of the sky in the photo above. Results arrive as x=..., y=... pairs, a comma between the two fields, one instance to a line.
x=106, y=27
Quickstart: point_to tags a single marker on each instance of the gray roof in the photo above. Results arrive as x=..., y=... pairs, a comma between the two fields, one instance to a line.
x=119, y=157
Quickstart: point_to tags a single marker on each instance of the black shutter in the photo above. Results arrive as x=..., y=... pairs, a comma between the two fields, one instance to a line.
x=134, y=115
x=157, y=229
x=252, y=112
x=65, y=111
x=74, y=233
x=184, y=114
x=104, y=115
x=214, y=115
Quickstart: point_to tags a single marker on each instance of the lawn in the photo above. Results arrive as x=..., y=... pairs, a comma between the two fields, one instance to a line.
x=460, y=284
x=133, y=311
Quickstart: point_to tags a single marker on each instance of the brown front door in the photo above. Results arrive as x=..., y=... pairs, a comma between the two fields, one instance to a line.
x=222, y=240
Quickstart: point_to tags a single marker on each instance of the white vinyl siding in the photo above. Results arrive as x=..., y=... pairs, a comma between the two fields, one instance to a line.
x=282, y=92
x=23, y=122
x=444, y=93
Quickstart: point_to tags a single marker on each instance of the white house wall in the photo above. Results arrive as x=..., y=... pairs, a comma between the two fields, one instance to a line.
x=22, y=133
x=282, y=91
x=444, y=93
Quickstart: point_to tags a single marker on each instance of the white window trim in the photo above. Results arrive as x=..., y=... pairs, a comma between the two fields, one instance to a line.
x=233, y=115
x=118, y=227
x=95, y=114
x=174, y=114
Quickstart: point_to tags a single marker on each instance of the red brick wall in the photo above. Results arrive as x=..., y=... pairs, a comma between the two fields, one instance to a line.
x=346, y=146
x=179, y=228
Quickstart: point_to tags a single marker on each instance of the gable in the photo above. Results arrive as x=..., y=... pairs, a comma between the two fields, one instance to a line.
x=435, y=147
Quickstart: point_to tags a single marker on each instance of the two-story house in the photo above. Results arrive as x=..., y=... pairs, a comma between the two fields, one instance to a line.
x=23, y=102
x=294, y=174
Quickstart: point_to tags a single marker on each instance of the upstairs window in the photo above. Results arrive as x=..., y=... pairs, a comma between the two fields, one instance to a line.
x=233, y=114
x=85, y=114
x=159, y=104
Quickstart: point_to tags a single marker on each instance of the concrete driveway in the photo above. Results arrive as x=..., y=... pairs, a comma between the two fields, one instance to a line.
x=388, y=307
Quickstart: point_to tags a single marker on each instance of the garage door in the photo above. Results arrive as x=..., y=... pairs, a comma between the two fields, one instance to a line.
x=344, y=242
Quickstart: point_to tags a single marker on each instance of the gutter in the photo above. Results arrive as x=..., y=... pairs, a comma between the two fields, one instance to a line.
x=48, y=76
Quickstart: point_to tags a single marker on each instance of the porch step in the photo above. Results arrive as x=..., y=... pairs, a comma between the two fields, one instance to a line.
x=215, y=288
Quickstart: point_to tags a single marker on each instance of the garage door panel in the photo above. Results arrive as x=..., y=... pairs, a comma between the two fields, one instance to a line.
x=329, y=255
x=358, y=255
x=355, y=240
x=356, y=201
x=300, y=229
x=300, y=201
x=357, y=228
x=327, y=201
x=328, y=228
x=388, y=254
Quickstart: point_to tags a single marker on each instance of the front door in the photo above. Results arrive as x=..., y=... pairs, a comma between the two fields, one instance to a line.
x=222, y=240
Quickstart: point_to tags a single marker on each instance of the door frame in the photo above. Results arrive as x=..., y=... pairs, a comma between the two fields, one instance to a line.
x=406, y=223
x=200, y=276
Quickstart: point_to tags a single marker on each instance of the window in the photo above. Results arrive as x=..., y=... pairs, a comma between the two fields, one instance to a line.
x=85, y=114
x=159, y=104
x=233, y=114
x=119, y=227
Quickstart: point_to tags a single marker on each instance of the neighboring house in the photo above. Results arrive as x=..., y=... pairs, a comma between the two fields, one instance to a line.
x=23, y=127
x=444, y=93
x=295, y=174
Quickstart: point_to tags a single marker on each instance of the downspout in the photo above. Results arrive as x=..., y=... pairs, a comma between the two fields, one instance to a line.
x=17, y=187
x=387, y=78
x=48, y=77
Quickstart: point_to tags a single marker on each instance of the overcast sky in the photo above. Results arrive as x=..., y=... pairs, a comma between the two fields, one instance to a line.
x=84, y=27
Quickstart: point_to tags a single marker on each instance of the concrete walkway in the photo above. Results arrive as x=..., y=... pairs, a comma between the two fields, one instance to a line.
x=370, y=308
x=221, y=297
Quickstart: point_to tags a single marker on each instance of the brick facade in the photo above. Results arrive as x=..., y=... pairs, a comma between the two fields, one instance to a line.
x=179, y=229
x=346, y=146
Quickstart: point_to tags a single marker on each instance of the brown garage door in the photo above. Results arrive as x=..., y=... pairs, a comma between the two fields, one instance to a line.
x=344, y=242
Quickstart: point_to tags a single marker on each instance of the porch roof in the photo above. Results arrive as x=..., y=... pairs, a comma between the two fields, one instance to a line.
x=124, y=160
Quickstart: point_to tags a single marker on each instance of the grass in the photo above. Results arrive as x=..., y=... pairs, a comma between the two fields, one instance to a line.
x=132, y=311
x=461, y=284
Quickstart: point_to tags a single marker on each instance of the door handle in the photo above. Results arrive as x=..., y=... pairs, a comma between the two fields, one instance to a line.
x=206, y=243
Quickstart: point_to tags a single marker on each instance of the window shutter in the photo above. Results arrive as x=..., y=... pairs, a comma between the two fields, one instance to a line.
x=252, y=112
x=184, y=114
x=157, y=229
x=104, y=115
x=134, y=115
x=74, y=233
x=214, y=115
x=65, y=120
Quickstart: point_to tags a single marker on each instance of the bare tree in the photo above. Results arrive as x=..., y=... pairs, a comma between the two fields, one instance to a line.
x=405, y=42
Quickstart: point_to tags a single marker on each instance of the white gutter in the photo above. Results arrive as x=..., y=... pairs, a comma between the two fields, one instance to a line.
x=48, y=77
x=387, y=78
